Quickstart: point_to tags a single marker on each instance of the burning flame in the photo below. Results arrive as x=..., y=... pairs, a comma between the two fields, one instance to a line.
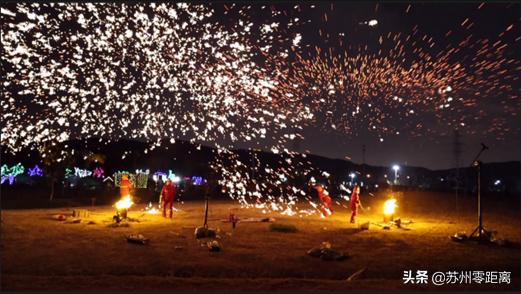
x=153, y=210
x=150, y=209
x=389, y=206
x=124, y=203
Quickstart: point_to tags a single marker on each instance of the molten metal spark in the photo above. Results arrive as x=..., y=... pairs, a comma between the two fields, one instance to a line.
x=124, y=203
x=150, y=209
x=390, y=206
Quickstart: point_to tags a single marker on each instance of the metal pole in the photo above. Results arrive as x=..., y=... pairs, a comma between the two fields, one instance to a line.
x=207, y=190
x=480, y=218
x=206, y=213
x=479, y=229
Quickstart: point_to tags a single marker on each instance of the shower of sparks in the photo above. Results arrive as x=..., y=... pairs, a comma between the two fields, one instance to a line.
x=178, y=71
x=406, y=85
x=134, y=71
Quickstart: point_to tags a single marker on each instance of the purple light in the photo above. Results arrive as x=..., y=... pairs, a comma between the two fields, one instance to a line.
x=98, y=172
x=35, y=171
x=197, y=181
x=159, y=174
x=10, y=178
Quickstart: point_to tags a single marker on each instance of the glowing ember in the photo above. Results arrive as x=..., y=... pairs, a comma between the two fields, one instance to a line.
x=390, y=206
x=124, y=203
x=151, y=209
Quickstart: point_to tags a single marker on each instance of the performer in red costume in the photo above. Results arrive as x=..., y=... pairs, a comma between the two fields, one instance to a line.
x=167, y=197
x=323, y=196
x=355, y=202
x=125, y=186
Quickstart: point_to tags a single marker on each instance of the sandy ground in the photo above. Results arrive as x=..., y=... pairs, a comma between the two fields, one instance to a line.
x=39, y=253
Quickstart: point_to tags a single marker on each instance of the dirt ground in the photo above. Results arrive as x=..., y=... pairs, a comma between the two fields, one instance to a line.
x=40, y=253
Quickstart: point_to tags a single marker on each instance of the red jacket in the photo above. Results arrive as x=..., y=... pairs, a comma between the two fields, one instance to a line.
x=168, y=192
x=124, y=187
x=354, y=198
x=323, y=197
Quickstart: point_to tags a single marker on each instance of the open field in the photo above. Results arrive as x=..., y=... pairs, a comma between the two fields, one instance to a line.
x=40, y=253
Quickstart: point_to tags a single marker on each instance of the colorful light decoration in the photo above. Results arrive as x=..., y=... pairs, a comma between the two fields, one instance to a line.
x=13, y=171
x=98, y=172
x=138, y=180
x=197, y=180
x=141, y=179
x=117, y=177
x=108, y=179
x=36, y=171
x=173, y=177
x=10, y=173
x=68, y=173
x=10, y=178
x=82, y=173
x=159, y=175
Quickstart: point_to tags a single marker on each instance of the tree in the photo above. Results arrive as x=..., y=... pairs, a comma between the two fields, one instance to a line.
x=94, y=159
x=55, y=158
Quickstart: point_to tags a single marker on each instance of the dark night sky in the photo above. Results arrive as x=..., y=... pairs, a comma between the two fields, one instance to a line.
x=433, y=149
x=435, y=19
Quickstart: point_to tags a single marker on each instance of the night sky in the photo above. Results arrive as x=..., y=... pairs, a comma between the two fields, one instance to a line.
x=433, y=151
x=400, y=87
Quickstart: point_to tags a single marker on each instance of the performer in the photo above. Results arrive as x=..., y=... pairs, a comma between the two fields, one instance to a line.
x=323, y=196
x=355, y=202
x=125, y=186
x=167, y=197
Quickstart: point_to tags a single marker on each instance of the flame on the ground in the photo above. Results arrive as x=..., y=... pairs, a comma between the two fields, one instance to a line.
x=124, y=203
x=151, y=209
x=390, y=206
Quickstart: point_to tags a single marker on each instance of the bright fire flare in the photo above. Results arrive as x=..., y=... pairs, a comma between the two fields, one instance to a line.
x=124, y=203
x=153, y=210
x=150, y=209
x=389, y=206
